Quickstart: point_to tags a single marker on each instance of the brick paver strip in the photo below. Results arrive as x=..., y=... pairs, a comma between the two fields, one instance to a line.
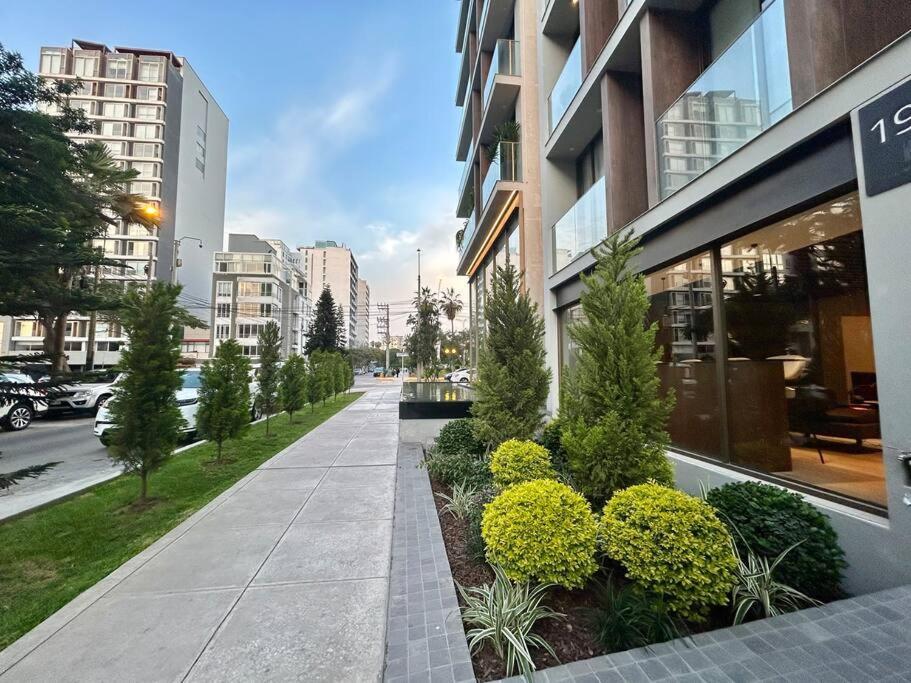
x=425, y=638
x=285, y=576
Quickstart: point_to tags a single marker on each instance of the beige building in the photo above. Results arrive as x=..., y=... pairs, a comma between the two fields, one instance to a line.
x=362, y=324
x=328, y=263
x=499, y=136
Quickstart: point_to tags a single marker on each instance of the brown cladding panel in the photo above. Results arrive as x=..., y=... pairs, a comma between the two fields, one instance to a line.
x=626, y=182
x=597, y=19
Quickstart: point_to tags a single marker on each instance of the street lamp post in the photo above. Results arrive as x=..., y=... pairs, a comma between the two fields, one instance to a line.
x=175, y=261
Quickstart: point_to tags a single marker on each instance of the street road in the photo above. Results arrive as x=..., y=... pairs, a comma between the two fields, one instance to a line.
x=83, y=461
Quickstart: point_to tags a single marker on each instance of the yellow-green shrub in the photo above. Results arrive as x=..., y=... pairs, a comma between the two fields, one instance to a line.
x=541, y=530
x=515, y=462
x=672, y=544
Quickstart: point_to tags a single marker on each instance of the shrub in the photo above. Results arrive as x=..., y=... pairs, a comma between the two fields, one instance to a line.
x=457, y=437
x=672, y=544
x=541, y=530
x=504, y=614
x=459, y=468
x=611, y=399
x=552, y=439
x=769, y=520
x=758, y=593
x=460, y=502
x=474, y=540
x=627, y=617
x=515, y=462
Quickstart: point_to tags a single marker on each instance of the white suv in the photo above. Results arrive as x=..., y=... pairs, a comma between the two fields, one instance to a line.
x=18, y=415
x=462, y=376
x=82, y=397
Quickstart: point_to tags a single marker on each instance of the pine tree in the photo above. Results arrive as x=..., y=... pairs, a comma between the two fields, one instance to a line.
x=341, y=328
x=315, y=381
x=292, y=391
x=323, y=332
x=341, y=373
x=224, y=395
x=513, y=377
x=270, y=344
x=612, y=406
x=144, y=406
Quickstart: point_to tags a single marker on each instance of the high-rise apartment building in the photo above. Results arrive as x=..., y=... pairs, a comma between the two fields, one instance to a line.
x=362, y=326
x=156, y=116
x=332, y=265
x=256, y=281
x=731, y=137
x=498, y=138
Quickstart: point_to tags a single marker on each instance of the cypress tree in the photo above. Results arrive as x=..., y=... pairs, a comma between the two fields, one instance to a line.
x=292, y=391
x=224, y=395
x=612, y=405
x=513, y=377
x=314, y=381
x=323, y=332
x=341, y=328
x=270, y=342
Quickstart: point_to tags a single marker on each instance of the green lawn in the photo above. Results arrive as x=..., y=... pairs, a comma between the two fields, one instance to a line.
x=50, y=556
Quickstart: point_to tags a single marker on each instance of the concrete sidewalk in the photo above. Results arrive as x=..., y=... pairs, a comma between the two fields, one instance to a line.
x=283, y=577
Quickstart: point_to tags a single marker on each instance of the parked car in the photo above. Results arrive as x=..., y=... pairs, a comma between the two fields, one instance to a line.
x=448, y=375
x=462, y=376
x=187, y=402
x=378, y=371
x=18, y=415
x=81, y=397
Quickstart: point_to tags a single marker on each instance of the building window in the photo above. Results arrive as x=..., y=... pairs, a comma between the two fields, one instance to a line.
x=145, y=188
x=590, y=165
x=148, y=93
x=222, y=331
x=249, y=350
x=569, y=352
x=53, y=61
x=147, y=150
x=146, y=131
x=149, y=112
x=222, y=310
x=254, y=289
x=86, y=67
x=147, y=169
x=151, y=71
x=72, y=346
x=223, y=288
x=799, y=373
x=116, y=110
x=115, y=90
x=248, y=330
x=115, y=128
x=108, y=345
x=117, y=68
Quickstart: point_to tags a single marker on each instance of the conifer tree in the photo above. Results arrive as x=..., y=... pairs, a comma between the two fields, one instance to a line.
x=341, y=373
x=341, y=328
x=270, y=344
x=323, y=332
x=612, y=405
x=513, y=377
x=292, y=391
x=144, y=406
x=314, y=380
x=224, y=395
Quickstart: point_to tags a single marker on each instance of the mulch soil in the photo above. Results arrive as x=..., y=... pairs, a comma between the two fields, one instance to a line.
x=571, y=638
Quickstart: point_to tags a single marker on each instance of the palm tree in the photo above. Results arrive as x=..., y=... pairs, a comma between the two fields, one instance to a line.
x=451, y=305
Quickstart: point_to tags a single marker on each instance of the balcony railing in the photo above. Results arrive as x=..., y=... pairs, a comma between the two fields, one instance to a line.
x=741, y=94
x=467, y=234
x=466, y=172
x=505, y=62
x=567, y=86
x=508, y=167
x=582, y=227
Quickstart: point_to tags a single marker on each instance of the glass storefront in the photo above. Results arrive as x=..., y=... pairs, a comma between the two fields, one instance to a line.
x=786, y=309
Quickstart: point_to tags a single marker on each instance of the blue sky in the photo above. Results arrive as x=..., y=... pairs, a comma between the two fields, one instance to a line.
x=342, y=115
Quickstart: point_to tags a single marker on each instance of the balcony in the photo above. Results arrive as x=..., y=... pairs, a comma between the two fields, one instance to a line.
x=743, y=93
x=507, y=168
x=463, y=144
x=566, y=87
x=466, y=187
x=582, y=227
x=467, y=234
x=505, y=62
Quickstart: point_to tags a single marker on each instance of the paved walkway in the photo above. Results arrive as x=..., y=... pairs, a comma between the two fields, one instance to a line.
x=283, y=577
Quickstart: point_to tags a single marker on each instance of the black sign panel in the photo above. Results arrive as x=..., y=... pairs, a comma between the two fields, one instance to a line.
x=885, y=130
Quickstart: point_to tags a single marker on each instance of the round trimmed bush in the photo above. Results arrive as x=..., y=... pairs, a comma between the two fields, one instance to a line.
x=457, y=437
x=515, y=462
x=672, y=545
x=543, y=531
x=768, y=519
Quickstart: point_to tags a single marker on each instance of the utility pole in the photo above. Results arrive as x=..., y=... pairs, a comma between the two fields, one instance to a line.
x=382, y=327
x=419, y=274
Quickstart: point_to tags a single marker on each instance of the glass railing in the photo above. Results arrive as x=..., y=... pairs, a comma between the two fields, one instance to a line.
x=505, y=62
x=466, y=172
x=467, y=233
x=508, y=166
x=567, y=86
x=741, y=94
x=582, y=227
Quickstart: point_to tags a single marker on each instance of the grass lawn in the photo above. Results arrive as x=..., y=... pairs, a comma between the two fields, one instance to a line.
x=50, y=556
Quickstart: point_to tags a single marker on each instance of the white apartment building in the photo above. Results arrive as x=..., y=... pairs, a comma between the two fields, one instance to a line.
x=256, y=281
x=156, y=116
x=328, y=263
x=362, y=326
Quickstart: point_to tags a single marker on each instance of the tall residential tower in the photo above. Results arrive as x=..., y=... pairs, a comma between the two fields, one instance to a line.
x=332, y=265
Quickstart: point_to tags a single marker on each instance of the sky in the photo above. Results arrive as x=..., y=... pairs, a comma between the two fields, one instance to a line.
x=342, y=117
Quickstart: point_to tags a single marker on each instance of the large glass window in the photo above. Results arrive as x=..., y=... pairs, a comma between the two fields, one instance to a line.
x=53, y=62
x=115, y=90
x=118, y=68
x=799, y=377
x=150, y=70
x=87, y=67
x=568, y=349
x=147, y=92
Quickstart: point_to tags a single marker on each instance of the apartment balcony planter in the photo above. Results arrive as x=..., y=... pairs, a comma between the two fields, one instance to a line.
x=501, y=186
x=580, y=228
x=743, y=93
x=566, y=87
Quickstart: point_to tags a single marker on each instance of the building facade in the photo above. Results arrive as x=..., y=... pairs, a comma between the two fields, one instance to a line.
x=726, y=136
x=498, y=138
x=362, y=326
x=329, y=264
x=156, y=116
x=256, y=281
